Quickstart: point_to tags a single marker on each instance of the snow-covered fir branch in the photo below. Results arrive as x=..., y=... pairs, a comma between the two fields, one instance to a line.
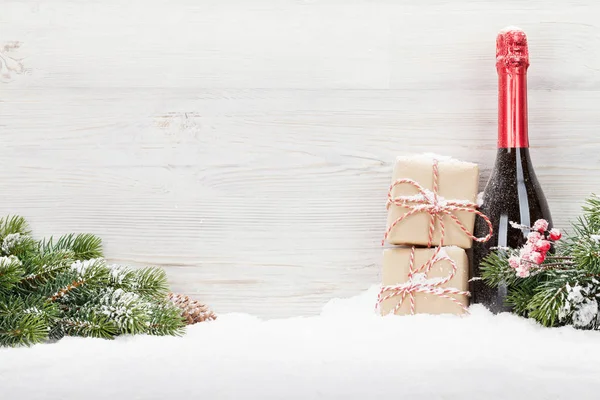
x=553, y=279
x=82, y=266
x=10, y=241
x=62, y=286
x=581, y=306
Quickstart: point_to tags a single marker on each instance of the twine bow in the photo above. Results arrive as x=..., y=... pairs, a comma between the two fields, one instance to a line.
x=435, y=205
x=431, y=286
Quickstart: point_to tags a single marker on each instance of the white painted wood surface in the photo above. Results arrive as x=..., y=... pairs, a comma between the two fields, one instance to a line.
x=246, y=145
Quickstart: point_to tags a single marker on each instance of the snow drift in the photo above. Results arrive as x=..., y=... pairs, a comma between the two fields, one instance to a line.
x=348, y=352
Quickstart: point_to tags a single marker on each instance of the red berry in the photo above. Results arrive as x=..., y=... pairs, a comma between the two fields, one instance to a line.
x=533, y=237
x=537, y=257
x=543, y=246
x=514, y=262
x=541, y=225
x=526, y=251
x=555, y=234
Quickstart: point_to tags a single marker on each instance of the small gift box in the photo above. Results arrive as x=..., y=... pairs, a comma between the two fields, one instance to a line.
x=431, y=197
x=424, y=281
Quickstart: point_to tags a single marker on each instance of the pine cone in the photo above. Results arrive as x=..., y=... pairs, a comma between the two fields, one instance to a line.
x=193, y=311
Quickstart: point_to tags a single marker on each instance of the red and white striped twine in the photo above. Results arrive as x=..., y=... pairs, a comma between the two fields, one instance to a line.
x=411, y=287
x=432, y=205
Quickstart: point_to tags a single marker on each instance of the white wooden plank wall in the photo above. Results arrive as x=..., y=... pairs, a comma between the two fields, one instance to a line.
x=246, y=145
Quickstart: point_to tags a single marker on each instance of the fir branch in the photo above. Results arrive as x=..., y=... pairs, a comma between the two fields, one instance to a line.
x=122, y=277
x=87, y=323
x=584, y=244
x=43, y=268
x=585, y=227
x=78, y=283
x=591, y=210
x=519, y=298
x=22, y=330
x=521, y=292
x=84, y=246
x=11, y=305
x=563, y=290
x=12, y=225
x=52, y=288
x=128, y=310
x=18, y=245
x=148, y=281
x=166, y=319
x=42, y=276
x=62, y=292
x=11, y=272
x=495, y=269
x=36, y=262
x=94, y=268
x=586, y=254
x=550, y=296
x=151, y=282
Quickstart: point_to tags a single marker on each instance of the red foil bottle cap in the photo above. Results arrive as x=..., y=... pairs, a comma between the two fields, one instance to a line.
x=512, y=52
x=512, y=61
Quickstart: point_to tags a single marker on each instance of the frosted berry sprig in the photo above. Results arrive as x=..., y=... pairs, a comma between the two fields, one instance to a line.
x=535, y=250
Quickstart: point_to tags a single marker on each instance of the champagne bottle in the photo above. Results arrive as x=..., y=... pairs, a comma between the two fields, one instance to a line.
x=513, y=193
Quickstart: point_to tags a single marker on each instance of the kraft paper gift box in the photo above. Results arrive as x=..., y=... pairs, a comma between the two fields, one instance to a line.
x=396, y=265
x=457, y=180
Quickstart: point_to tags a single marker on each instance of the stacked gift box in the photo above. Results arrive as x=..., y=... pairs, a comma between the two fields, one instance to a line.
x=431, y=215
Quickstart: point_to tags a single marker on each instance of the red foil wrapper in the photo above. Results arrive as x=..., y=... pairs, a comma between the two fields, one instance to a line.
x=512, y=61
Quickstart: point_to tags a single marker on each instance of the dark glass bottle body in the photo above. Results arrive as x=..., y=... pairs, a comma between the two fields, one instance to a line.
x=512, y=194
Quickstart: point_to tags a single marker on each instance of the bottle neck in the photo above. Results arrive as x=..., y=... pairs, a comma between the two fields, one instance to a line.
x=512, y=107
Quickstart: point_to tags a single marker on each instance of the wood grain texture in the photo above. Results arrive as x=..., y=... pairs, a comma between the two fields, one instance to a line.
x=246, y=146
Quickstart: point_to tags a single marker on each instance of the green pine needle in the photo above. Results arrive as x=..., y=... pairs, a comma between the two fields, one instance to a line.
x=42, y=275
x=129, y=311
x=166, y=320
x=11, y=273
x=545, y=295
x=23, y=329
x=84, y=246
x=63, y=287
x=151, y=282
x=86, y=323
x=591, y=210
x=12, y=225
x=18, y=245
x=148, y=281
x=519, y=297
x=495, y=269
